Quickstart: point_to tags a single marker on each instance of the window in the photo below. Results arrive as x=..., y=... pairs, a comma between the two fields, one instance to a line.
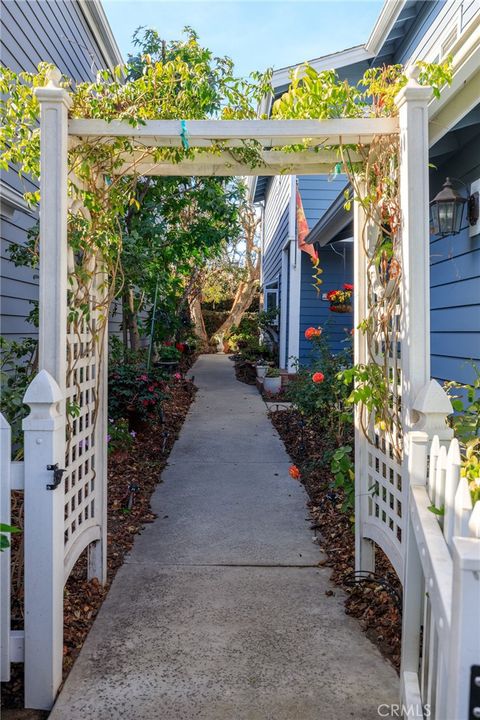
x=271, y=299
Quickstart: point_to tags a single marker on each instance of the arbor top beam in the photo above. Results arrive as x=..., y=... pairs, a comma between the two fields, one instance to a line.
x=269, y=133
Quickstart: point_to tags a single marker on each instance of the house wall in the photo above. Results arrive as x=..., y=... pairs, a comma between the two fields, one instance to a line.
x=277, y=229
x=318, y=193
x=54, y=31
x=455, y=282
x=454, y=261
x=337, y=270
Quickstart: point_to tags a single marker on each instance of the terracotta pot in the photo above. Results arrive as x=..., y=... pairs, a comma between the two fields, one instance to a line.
x=341, y=308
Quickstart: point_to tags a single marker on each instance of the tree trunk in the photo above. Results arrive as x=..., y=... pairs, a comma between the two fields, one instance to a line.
x=243, y=299
x=248, y=288
x=196, y=315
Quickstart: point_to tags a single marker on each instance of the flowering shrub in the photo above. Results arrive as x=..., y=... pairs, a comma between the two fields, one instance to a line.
x=134, y=391
x=320, y=395
x=119, y=436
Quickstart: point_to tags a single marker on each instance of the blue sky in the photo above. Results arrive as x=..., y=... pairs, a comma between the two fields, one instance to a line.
x=256, y=35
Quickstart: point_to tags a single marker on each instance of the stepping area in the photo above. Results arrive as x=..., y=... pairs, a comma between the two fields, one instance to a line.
x=220, y=611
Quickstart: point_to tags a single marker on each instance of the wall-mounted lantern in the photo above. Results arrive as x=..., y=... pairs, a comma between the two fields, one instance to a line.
x=447, y=210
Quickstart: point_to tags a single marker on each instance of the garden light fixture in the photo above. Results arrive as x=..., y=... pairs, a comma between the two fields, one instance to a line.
x=447, y=210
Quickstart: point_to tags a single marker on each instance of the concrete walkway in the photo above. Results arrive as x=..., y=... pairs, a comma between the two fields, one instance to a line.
x=220, y=611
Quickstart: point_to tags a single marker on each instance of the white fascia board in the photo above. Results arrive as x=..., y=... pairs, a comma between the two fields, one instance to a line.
x=388, y=15
x=457, y=99
x=333, y=61
x=97, y=20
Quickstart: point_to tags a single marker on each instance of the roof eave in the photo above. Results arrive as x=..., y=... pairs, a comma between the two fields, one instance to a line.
x=97, y=20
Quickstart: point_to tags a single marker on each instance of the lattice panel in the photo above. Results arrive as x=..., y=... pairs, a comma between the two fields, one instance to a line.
x=81, y=508
x=382, y=478
x=384, y=471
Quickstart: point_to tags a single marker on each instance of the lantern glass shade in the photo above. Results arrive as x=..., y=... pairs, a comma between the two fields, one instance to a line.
x=447, y=210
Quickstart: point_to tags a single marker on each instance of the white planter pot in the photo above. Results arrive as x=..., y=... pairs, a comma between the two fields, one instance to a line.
x=272, y=384
x=261, y=371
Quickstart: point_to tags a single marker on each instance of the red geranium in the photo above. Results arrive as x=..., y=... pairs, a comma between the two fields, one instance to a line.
x=180, y=346
x=318, y=377
x=348, y=286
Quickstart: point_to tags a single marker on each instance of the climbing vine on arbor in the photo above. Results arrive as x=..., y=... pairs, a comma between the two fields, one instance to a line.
x=179, y=79
x=373, y=173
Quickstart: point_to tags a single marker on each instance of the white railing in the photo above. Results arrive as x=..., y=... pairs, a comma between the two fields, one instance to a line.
x=441, y=614
x=11, y=478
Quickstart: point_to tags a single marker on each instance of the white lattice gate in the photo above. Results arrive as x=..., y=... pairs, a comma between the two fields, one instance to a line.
x=402, y=349
x=65, y=433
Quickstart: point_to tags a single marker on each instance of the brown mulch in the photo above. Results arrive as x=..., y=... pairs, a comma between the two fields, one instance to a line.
x=133, y=475
x=376, y=604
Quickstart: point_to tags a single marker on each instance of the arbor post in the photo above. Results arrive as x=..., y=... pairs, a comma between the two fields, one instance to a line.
x=412, y=103
x=54, y=104
x=364, y=548
x=44, y=447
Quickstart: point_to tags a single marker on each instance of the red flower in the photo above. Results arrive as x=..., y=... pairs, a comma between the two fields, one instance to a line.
x=331, y=294
x=151, y=389
x=348, y=286
x=318, y=377
x=294, y=472
x=145, y=403
x=312, y=332
x=180, y=346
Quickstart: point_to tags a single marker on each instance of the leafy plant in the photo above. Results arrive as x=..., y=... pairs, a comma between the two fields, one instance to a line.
x=324, y=404
x=134, y=391
x=17, y=369
x=273, y=372
x=6, y=530
x=343, y=471
x=119, y=436
x=465, y=422
x=168, y=353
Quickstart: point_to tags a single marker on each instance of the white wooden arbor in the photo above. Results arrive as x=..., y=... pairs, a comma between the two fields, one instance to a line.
x=74, y=522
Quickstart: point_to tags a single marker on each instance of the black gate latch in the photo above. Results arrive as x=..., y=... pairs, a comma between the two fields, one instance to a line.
x=57, y=476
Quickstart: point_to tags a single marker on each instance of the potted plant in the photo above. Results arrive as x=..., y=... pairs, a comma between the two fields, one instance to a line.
x=261, y=367
x=272, y=382
x=168, y=357
x=341, y=300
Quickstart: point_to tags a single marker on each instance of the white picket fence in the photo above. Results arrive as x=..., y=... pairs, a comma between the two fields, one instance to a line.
x=441, y=616
x=64, y=512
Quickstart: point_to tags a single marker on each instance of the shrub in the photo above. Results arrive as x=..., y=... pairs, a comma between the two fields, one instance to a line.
x=169, y=353
x=132, y=390
x=318, y=392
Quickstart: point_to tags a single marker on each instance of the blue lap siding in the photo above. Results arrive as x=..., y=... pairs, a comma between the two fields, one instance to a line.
x=455, y=282
x=318, y=193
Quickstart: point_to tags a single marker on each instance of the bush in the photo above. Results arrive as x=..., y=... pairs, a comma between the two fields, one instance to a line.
x=168, y=353
x=132, y=390
x=320, y=395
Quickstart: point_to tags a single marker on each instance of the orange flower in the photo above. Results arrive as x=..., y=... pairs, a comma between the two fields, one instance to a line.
x=294, y=472
x=312, y=332
x=318, y=377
